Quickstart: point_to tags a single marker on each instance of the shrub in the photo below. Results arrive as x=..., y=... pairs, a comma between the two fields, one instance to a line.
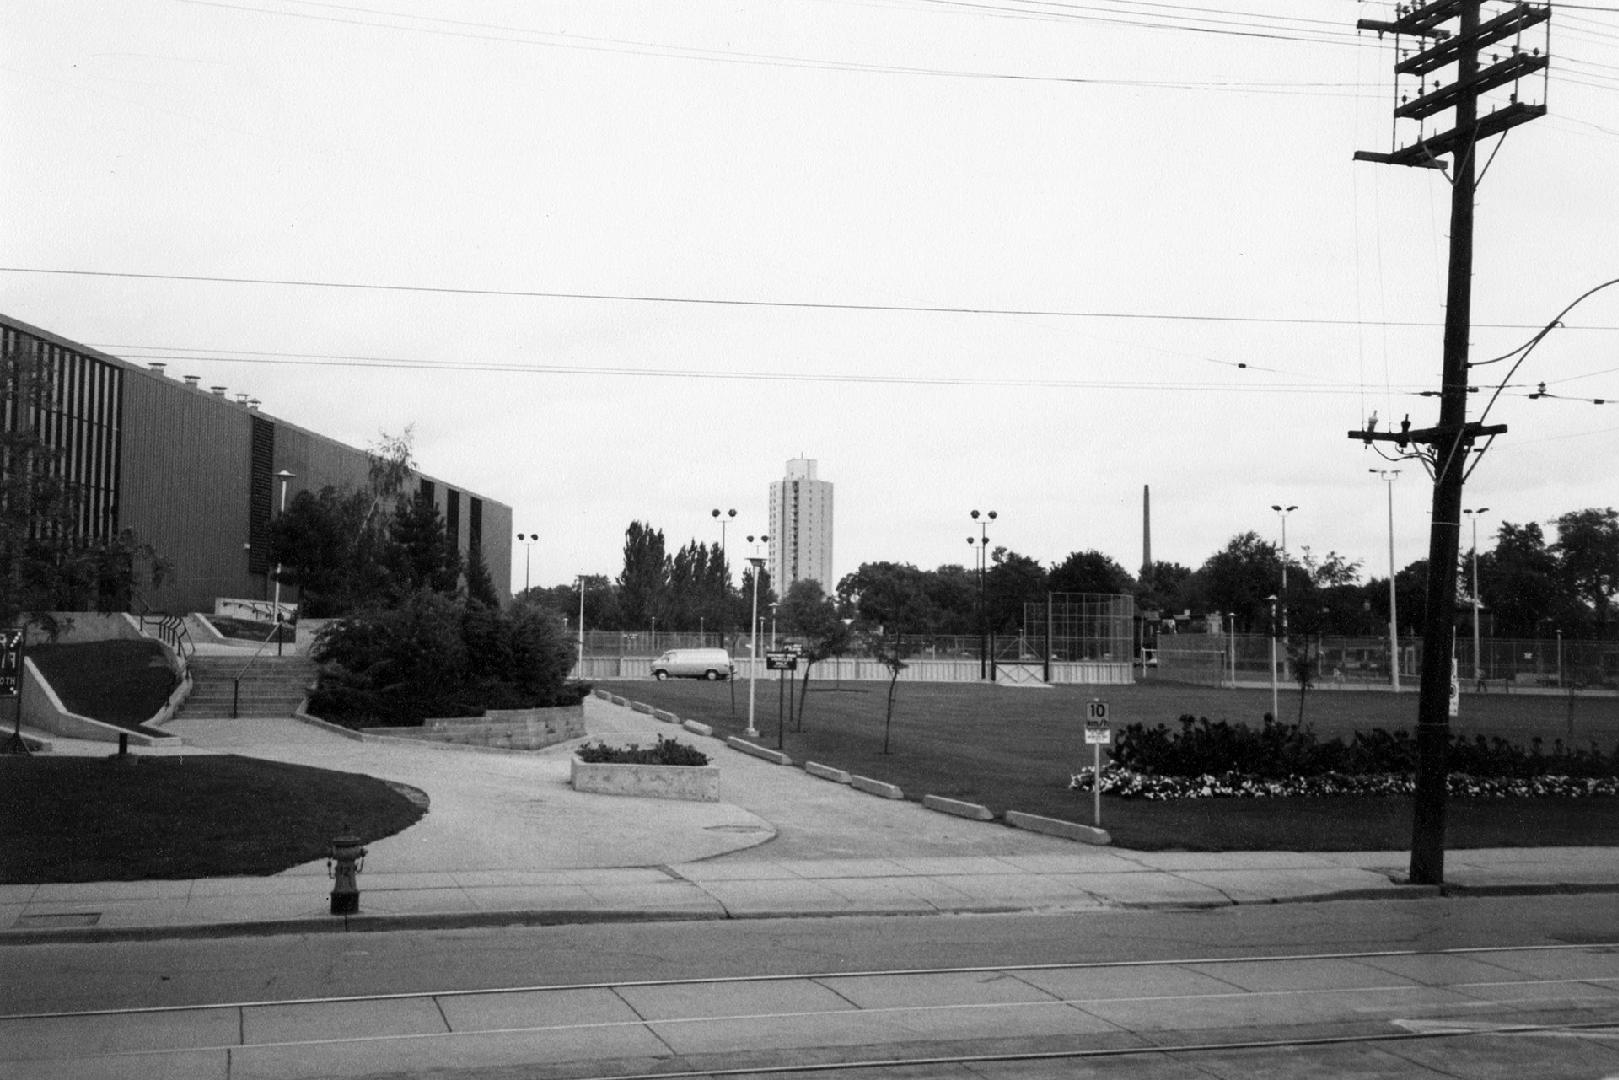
x=433, y=656
x=666, y=752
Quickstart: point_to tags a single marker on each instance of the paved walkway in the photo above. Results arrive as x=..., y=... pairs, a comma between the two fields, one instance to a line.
x=507, y=840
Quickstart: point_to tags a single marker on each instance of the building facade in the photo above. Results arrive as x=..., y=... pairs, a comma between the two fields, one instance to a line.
x=193, y=471
x=801, y=528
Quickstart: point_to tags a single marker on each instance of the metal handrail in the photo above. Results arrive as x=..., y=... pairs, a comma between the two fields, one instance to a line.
x=236, y=685
x=170, y=630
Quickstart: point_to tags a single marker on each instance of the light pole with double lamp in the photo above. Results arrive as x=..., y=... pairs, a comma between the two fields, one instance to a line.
x=724, y=521
x=527, y=540
x=1478, y=662
x=1283, y=511
x=1275, y=712
x=983, y=564
x=758, y=564
x=1389, y=476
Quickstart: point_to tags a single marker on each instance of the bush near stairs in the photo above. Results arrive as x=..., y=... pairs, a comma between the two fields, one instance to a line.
x=272, y=686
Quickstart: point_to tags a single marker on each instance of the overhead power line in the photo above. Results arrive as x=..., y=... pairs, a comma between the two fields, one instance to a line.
x=802, y=374
x=737, y=302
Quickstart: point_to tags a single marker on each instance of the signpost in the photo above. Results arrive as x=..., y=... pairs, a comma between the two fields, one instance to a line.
x=11, y=685
x=1097, y=735
x=781, y=660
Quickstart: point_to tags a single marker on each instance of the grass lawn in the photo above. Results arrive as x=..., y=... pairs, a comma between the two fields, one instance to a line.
x=137, y=818
x=117, y=682
x=1015, y=748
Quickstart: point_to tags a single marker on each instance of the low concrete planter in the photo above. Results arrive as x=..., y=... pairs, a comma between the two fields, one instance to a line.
x=693, y=783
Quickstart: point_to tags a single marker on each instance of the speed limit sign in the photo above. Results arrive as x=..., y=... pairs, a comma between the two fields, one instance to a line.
x=1096, y=711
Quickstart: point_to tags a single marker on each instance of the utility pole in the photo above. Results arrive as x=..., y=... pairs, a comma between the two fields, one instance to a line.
x=1451, y=440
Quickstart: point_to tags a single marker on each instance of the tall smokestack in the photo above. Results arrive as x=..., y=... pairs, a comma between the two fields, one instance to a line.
x=1146, y=528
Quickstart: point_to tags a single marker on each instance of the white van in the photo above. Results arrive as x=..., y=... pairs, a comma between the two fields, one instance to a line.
x=693, y=664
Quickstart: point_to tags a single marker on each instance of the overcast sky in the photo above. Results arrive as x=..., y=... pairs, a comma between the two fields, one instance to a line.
x=617, y=261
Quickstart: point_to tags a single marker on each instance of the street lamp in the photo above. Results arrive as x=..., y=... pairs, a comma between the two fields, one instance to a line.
x=1283, y=511
x=983, y=563
x=1231, y=644
x=581, y=622
x=527, y=540
x=1275, y=710
x=724, y=521
x=758, y=564
x=1478, y=662
x=283, y=476
x=1389, y=476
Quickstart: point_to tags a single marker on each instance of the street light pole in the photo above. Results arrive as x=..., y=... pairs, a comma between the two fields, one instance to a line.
x=527, y=540
x=724, y=521
x=983, y=564
x=758, y=565
x=581, y=621
x=1389, y=476
x=1275, y=709
x=1478, y=663
x=283, y=476
x=1232, y=644
x=1283, y=511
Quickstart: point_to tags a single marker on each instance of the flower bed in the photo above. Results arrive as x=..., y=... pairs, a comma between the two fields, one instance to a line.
x=668, y=770
x=1129, y=784
x=1223, y=760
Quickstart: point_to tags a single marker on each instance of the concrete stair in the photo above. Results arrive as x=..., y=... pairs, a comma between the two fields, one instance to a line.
x=272, y=686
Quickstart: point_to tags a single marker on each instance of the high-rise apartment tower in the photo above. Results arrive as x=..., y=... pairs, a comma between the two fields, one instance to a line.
x=801, y=528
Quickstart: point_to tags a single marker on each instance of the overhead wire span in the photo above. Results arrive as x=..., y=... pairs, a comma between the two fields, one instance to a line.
x=739, y=302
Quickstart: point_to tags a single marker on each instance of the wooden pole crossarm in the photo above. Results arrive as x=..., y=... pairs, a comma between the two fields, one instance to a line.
x=1469, y=431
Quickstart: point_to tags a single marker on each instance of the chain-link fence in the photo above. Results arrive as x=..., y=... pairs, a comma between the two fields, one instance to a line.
x=1504, y=665
x=1071, y=638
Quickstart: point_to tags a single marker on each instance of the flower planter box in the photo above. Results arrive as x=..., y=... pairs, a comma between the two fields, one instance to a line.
x=694, y=783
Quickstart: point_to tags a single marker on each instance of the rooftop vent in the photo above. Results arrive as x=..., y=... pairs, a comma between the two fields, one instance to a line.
x=218, y=391
x=157, y=367
x=193, y=380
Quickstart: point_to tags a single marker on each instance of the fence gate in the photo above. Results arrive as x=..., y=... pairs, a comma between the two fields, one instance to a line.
x=1018, y=660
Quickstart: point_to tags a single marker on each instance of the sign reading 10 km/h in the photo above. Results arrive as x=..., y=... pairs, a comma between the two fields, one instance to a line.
x=1097, y=735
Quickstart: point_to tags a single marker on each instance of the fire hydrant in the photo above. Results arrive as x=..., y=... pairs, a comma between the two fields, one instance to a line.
x=343, y=865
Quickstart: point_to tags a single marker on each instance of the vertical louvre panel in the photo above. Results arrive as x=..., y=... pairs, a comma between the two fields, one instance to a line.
x=258, y=496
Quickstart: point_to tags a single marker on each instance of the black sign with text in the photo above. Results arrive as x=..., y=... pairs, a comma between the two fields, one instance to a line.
x=10, y=662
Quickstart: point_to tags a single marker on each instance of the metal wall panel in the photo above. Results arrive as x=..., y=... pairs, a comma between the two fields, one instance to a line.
x=173, y=463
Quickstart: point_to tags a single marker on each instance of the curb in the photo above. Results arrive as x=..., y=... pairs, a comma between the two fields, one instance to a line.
x=875, y=787
x=1068, y=830
x=955, y=806
x=363, y=923
x=775, y=757
x=826, y=772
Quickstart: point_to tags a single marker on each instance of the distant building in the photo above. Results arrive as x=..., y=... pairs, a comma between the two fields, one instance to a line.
x=194, y=472
x=801, y=528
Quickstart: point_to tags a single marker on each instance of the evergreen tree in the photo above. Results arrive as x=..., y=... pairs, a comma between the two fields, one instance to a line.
x=422, y=555
x=645, y=577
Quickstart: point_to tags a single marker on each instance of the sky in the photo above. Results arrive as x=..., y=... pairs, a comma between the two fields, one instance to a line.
x=613, y=261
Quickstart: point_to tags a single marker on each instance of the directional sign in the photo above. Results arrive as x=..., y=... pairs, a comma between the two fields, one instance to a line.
x=10, y=662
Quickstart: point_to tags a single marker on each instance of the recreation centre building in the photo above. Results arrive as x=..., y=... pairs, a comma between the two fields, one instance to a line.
x=193, y=472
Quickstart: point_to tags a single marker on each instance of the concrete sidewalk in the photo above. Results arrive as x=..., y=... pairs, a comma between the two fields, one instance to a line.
x=506, y=840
